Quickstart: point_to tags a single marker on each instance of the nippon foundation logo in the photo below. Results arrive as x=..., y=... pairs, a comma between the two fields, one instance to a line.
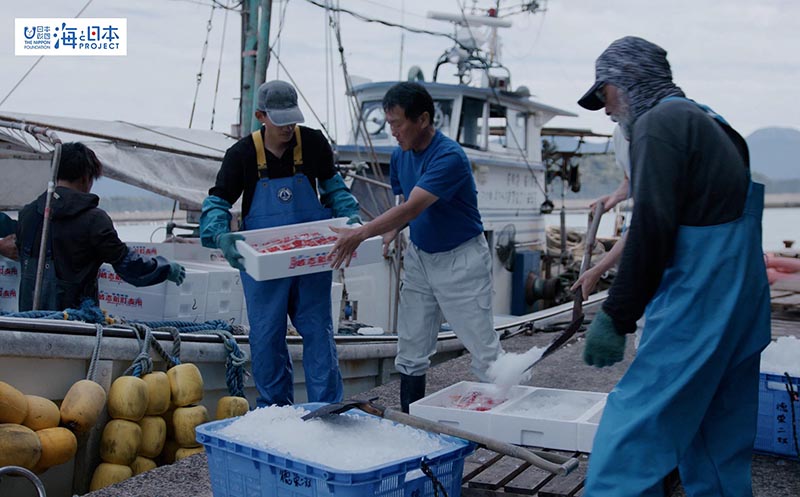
x=70, y=36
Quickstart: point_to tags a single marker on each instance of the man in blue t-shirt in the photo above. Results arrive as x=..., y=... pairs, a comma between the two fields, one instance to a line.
x=448, y=265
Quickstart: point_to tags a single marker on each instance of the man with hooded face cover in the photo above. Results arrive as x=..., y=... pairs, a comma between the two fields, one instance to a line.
x=693, y=265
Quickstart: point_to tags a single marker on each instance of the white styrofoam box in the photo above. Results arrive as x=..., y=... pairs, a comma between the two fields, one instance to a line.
x=304, y=260
x=587, y=426
x=233, y=317
x=440, y=406
x=221, y=279
x=545, y=417
x=146, y=306
x=336, y=304
x=9, y=284
x=371, y=290
x=153, y=249
x=223, y=303
x=197, y=253
x=195, y=283
x=9, y=302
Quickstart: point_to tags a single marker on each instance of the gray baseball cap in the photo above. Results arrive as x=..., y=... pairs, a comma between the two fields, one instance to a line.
x=278, y=99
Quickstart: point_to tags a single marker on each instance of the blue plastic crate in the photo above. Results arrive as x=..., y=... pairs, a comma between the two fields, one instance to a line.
x=775, y=434
x=241, y=470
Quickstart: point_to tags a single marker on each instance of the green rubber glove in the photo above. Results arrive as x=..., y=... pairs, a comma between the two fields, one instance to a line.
x=355, y=219
x=604, y=346
x=177, y=273
x=227, y=243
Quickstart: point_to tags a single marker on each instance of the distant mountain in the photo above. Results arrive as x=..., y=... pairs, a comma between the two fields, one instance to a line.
x=775, y=152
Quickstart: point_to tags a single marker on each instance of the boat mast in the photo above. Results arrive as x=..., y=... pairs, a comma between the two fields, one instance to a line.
x=256, y=19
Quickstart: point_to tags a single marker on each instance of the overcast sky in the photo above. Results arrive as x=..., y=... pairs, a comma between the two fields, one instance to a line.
x=739, y=57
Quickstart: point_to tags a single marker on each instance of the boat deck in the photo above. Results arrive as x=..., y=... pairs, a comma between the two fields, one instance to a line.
x=486, y=474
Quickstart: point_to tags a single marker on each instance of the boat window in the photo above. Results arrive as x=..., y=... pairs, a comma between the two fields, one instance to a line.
x=470, y=130
x=517, y=130
x=443, y=109
x=375, y=118
x=506, y=129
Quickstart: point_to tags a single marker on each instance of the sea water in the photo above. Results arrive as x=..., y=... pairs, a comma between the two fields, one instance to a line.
x=777, y=224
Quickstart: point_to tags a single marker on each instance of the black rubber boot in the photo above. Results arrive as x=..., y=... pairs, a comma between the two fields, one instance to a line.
x=412, y=388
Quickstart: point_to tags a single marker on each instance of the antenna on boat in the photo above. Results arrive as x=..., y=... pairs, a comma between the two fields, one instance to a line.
x=467, y=54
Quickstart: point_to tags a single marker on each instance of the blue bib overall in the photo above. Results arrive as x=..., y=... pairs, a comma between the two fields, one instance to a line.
x=690, y=397
x=306, y=298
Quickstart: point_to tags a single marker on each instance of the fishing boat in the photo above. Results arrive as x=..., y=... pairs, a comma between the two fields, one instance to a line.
x=501, y=130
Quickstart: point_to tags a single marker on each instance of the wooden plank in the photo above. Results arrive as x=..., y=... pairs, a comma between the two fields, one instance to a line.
x=529, y=481
x=477, y=462
x=788, y=302
x=566, y=486
x=776, y=294
x=499, y=473
x=788, y=284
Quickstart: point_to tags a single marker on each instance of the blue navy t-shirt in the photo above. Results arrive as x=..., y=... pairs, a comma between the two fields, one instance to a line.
x=443, y=170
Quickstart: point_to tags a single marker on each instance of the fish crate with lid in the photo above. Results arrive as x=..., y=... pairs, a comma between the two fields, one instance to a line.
x=298, y=249
x=272, y=452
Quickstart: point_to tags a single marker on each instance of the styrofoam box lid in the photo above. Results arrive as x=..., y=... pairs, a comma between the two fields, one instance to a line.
x=305, y=260
x=221, y=278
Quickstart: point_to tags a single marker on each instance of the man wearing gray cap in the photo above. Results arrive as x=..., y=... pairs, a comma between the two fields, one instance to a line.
x=693, y=265
x=279, y=171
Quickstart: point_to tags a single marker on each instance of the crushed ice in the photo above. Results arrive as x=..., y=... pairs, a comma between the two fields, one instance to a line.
x=782, y=355
x=509, y=368
x=346, y=442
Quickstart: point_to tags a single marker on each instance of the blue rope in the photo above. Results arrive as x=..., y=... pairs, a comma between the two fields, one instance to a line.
x=143, y=363
x=87, y=312
x=234, y=363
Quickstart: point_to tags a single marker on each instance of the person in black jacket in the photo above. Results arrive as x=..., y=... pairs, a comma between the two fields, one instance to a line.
x=8, y=236
x=81, y=238
x=693, y=265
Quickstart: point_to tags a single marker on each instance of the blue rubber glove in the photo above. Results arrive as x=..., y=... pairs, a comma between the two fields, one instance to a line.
x=177, y=273
x=604, y=346
x=355, y=219
x=227, y=243
x=333, y=193
x=215, y=219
